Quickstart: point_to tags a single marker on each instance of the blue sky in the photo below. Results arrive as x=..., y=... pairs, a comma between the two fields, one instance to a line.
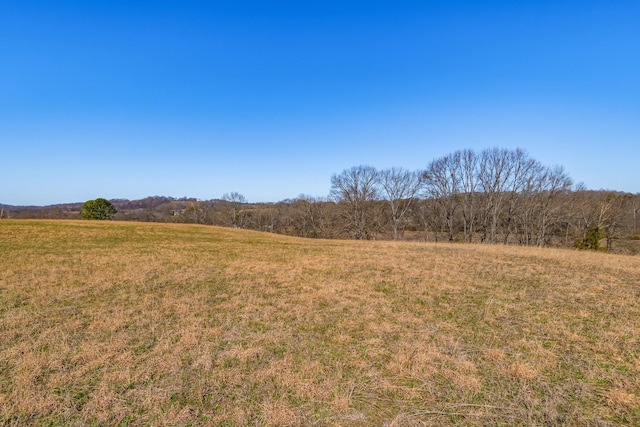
x=128, y=99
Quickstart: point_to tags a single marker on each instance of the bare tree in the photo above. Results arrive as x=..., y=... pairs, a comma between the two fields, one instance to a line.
x=635, y=206
x=234, y=201
x=428, y=216
x=197, y=212
x=399, y=188
x=599, y=213
x=302, y=216
x=468, y=183
x=525, y=172
x=441, y=183
x=308, y=216
x=612, y=209
x=355, y=190
x=553, y=182
x=494, y=175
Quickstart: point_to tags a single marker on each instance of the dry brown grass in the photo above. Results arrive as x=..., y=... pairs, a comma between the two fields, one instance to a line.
x=142, y=324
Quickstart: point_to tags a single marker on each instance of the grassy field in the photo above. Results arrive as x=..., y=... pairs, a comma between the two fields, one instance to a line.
x=110, y=323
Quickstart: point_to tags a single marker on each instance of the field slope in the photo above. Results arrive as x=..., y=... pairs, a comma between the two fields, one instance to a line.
x=112, y=323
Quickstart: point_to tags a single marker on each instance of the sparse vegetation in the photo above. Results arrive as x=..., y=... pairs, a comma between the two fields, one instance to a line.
x=113, y=323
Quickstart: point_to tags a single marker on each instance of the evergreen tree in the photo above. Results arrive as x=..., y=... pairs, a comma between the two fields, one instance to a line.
x=98, y=209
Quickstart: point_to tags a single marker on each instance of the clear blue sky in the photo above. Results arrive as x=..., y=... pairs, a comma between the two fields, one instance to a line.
x=127, y=99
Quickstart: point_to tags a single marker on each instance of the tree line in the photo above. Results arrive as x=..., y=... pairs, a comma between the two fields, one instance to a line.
x=493, y=196
x=497, y=194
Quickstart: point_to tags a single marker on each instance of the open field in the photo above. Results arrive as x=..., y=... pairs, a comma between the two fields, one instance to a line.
x=112, y=323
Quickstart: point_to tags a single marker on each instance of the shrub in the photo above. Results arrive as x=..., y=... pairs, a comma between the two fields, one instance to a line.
x=591, y=239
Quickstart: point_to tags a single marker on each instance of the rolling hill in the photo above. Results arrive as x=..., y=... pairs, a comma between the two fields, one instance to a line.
x=114, y=323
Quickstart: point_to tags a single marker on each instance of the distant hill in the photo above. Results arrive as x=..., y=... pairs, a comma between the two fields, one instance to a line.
x=147, y=202
x=18, y=208
x=64, y=210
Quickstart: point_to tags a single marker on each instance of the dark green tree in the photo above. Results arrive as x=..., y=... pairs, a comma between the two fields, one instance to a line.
x=98, y=209
x=591, y=239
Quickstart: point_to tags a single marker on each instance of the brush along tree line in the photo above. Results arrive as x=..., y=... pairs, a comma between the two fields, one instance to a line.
x=493, y=196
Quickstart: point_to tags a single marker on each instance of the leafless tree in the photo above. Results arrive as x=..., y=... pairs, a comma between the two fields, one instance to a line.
x=399, y=188
x=309, y=216
x=235, y=201
x=599, y=210
x=468, y=184
x=635, y=208
x=197, y=212
x=428, y=217
x=522, y=182
x=355, y=190
x=494, y=175
x=612, y=208
x=554, y=182
x=441, y=183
